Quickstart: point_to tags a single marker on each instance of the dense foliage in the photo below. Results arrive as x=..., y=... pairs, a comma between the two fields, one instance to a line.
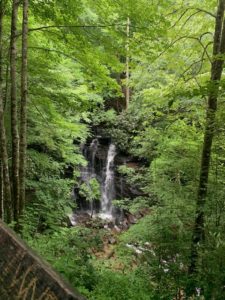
x=78, y=54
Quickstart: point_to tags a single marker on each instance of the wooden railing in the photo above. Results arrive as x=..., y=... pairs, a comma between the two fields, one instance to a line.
x=24, y=276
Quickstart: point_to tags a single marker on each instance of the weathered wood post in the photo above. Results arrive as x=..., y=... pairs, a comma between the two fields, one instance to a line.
x=24, y=276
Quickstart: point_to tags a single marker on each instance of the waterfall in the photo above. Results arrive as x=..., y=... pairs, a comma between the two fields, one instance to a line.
x=88, y=172
x=93, y=150
x=100, y=165
x=108, y=187
x=89, y=153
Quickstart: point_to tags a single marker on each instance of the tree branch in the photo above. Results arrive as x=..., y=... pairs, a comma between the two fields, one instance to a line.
x=192, y=8
x=188, y=19
x=178, y=20
x=69, y=26
x=206, y=12
x=56, y=51
x=67, y=56
x=186, y=37
x=74, y=26
x=193, y=64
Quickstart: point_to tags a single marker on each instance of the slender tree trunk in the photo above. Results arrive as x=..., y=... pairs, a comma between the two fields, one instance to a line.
x=6, y=188
x=1, y=166
x=14, y=114
x=23, y=112
x=216, y=73
x=128, y=65
x=1, y=192
x=5, y=94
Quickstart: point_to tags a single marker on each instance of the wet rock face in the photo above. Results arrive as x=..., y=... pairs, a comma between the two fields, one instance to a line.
x=125, y=190
x=103, y=162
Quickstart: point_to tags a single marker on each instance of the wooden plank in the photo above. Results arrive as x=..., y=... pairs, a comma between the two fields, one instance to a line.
x=23, y=274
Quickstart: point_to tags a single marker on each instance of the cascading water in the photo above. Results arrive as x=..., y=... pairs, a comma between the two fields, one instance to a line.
x=108, y=186
x=93, y=150
x=86, y=174
x=89, y=153
x=102, y=159
x=100, y=165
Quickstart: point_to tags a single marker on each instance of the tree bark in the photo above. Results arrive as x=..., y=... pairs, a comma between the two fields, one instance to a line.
x=14, y=114
x=23, y=111
x=1, y=192
x=6, y=188
x=128, y=65
x=216, y=73
x=1, y=166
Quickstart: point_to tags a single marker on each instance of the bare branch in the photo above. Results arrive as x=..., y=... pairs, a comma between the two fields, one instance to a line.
x=198, y=39
x=205, y=49
x=45, y=28
x=178, y=20
x=171, y=45
x=74, y=26
x=192, y=8
x=70, y=26
x=188, y=19
x=206, y=12
x=192, y=65
x=205, y=33
x=201, y=61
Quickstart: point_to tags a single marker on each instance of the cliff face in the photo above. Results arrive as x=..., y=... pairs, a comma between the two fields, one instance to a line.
x=104, y=160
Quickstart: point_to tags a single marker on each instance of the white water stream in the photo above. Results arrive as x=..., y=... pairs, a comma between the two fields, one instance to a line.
x=108, y=186
x=103, y=171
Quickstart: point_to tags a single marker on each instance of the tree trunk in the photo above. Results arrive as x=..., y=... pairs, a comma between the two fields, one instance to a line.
x=14, y=115
x=216, y=73
x=1, y=166
x=5, y=94
x=23, y=112
x=6, y=188
x=1, y=192
x=127, y=65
